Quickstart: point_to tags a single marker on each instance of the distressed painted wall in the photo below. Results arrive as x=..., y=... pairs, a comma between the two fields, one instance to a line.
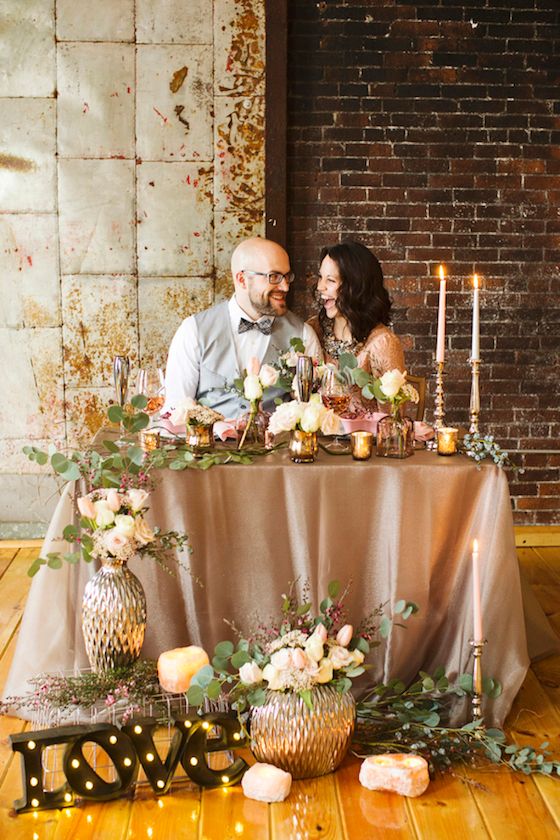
x=131, y=163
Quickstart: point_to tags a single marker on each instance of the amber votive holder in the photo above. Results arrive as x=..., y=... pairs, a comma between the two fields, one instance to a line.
x=362, y=445
x=149, y=440
x=447, y=440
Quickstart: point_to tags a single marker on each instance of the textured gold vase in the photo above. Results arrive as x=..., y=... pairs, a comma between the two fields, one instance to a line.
x=201, y=438
x=113, y=617
x=303, y=446
x=305, y=742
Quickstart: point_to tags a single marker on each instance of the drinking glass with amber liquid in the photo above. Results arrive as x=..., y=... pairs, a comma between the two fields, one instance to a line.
x=151, y=383
x=335, y=391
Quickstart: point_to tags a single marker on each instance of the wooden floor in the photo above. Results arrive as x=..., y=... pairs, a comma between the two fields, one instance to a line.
x=491, y=803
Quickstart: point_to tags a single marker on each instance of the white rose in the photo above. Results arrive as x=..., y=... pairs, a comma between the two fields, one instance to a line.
x=143, y=534
x=272, y=676
x=179, y=412
x=124, y=524
x=137, y=498
x=311, y=417
x=252, y=388
x=340, y=657
x=314, y=647
x=285, y=417
x=268, y=376
x=316, y=398
x=250, y=673
x=325, y=673
x=282, y=659
x=291, y=358
x=103, y=514
x=113, y=500
x=114, y=540
x=330, y=424
x=391, y=382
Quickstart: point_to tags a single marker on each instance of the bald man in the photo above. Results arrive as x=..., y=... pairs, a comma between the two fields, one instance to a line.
x=212, y=348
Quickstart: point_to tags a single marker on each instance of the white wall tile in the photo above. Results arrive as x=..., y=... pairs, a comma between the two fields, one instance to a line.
x=29, y=284
x=230, y=227
x=163, y=302
x=175, y=219
x=27, y=155
x=102, y=20
x=96, y=100
x=239, y=47
x=27, y=57
x=96, y=199
x=174, y=103
x=174, y=21
x=100, y=321
x=32, y=395
x=239, y=143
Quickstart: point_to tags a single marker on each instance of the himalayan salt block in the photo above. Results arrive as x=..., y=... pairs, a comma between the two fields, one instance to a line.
x=266, y=783
x=177, y=667
x=397, y=772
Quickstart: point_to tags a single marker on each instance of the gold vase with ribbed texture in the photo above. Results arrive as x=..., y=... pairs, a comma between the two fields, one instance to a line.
x=113, y=616
x=305, y=742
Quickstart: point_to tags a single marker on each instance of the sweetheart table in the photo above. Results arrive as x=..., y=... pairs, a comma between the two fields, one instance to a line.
x=395, y=529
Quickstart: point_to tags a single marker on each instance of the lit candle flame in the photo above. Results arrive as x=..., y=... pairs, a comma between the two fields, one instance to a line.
x=475, y=545
x=441, y=273
x=476, y=281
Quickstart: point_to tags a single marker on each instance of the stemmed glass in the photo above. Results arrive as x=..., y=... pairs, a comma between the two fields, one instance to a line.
x=151, y=383
x=336, y=394
x=121, y=372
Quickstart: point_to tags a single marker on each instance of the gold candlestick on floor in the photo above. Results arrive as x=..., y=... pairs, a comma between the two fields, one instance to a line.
x=476, y=703
x=474, y=408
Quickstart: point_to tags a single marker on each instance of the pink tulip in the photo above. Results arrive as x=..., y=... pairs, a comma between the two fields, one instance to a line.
x=344, y=635
x=113, y=500
x=254, y=366
x=86, y=508
x=299, y=658
x=321, y=632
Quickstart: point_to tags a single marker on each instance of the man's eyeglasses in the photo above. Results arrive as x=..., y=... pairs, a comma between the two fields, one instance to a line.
x=273, y=277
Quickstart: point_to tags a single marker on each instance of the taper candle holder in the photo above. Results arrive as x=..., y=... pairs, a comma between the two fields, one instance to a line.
x=474, y=407
x=476, y=703
x=439, y=412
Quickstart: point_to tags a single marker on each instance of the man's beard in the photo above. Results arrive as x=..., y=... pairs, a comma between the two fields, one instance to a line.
x=263, y=305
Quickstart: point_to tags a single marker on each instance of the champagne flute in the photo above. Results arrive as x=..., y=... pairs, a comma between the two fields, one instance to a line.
x=304, y=378
x=121, y=372
x=151, y=383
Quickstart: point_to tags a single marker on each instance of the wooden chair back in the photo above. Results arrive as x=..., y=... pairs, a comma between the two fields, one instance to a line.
x=419, y=382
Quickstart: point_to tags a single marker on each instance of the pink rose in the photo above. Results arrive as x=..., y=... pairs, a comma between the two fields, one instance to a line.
x=86, y=508
x=137, y=498
x=114, y=541
x=268, y=376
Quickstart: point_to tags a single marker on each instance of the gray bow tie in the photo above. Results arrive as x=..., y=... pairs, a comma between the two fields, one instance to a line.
x=264, y=326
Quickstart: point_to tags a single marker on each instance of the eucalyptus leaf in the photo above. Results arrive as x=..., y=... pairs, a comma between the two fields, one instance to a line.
x=195, y=695
x=213, y=690
x=384, y=627
x=71, y=473
x=239, y=658
x=70, y=533
x=110, y=446
x=35, y=566
x=139, y=401
x=54, y=561
x=115, y=413
x=224, y=649
x=204, y=676
x=41, y=458
x=333, y=588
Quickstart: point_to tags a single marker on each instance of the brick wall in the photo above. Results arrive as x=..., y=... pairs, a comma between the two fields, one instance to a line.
x=431, y=133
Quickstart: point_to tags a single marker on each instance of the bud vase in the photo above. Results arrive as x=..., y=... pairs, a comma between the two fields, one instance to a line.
x=200, y=439
x=303, y=446
x=305, y=742
x=251, y=428
x=395, y=437
x=113, y=616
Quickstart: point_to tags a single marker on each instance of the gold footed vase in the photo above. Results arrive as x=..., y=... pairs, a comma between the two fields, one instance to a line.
x=113, y=617
x=305, y=742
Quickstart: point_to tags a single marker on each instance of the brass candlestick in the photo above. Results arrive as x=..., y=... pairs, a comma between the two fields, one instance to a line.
x=474, y=408
x=476, y=703
x=439, y=412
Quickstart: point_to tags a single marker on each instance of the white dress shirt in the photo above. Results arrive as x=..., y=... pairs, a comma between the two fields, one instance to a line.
x=183, y=362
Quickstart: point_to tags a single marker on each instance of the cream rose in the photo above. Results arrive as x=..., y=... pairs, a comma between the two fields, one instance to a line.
x=391, y=382
x=268, y=376
x=252, y=388
x=103, y=514
x=272, y=677
x=250, y=673
x=357, y=657
x=286, y=417
x=113, y=500
x=330, y=424
x=282, y=659
x=114, y=540
x=143, y=534
x=86, y=507
x=124, y=524
x=311, y=418
x=340, y=657
x=325, y=672
x=314, y=646
x=137, y=498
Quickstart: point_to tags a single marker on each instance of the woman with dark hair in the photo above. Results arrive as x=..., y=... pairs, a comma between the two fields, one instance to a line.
x=355, y=308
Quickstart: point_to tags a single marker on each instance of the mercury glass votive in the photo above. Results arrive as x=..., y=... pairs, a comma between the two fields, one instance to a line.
x=362, y=445
x=149, y=440
x=447, y=441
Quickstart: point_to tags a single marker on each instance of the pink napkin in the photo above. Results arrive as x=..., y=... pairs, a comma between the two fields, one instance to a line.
x=423, y=431
x=225, y=429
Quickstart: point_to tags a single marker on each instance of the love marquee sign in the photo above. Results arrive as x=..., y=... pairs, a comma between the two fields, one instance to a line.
x=128, y=747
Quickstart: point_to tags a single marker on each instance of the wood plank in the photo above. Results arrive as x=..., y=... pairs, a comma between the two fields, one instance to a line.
x=530, y=535
x=15, y=586
x=95, y=821
x=534, y=568
x=227, y=814
x=446, y=810
x=8, y=544
x=41, y=824
x=364, y=812
x=548, y=596
x=310, y=811
x=550, y=558
x=175, y=815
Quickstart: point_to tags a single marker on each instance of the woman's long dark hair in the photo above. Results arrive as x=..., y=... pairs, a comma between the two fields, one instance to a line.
x=362, y=297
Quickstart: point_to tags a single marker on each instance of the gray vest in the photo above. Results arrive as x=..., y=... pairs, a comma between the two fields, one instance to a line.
x=218, y=362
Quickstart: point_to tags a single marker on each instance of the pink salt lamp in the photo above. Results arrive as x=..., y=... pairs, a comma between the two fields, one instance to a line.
x=177, y=667
x=266, y=783
x=397, y=772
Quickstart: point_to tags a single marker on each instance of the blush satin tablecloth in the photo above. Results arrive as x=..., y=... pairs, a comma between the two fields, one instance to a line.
x=396, y=529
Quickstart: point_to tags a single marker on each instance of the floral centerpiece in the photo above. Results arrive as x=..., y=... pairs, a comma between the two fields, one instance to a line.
x=292, y=678
x=252, y=387
x=198, y=421
x=303, y=420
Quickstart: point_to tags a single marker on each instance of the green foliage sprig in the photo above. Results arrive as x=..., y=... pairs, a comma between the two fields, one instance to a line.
x=479, y=447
